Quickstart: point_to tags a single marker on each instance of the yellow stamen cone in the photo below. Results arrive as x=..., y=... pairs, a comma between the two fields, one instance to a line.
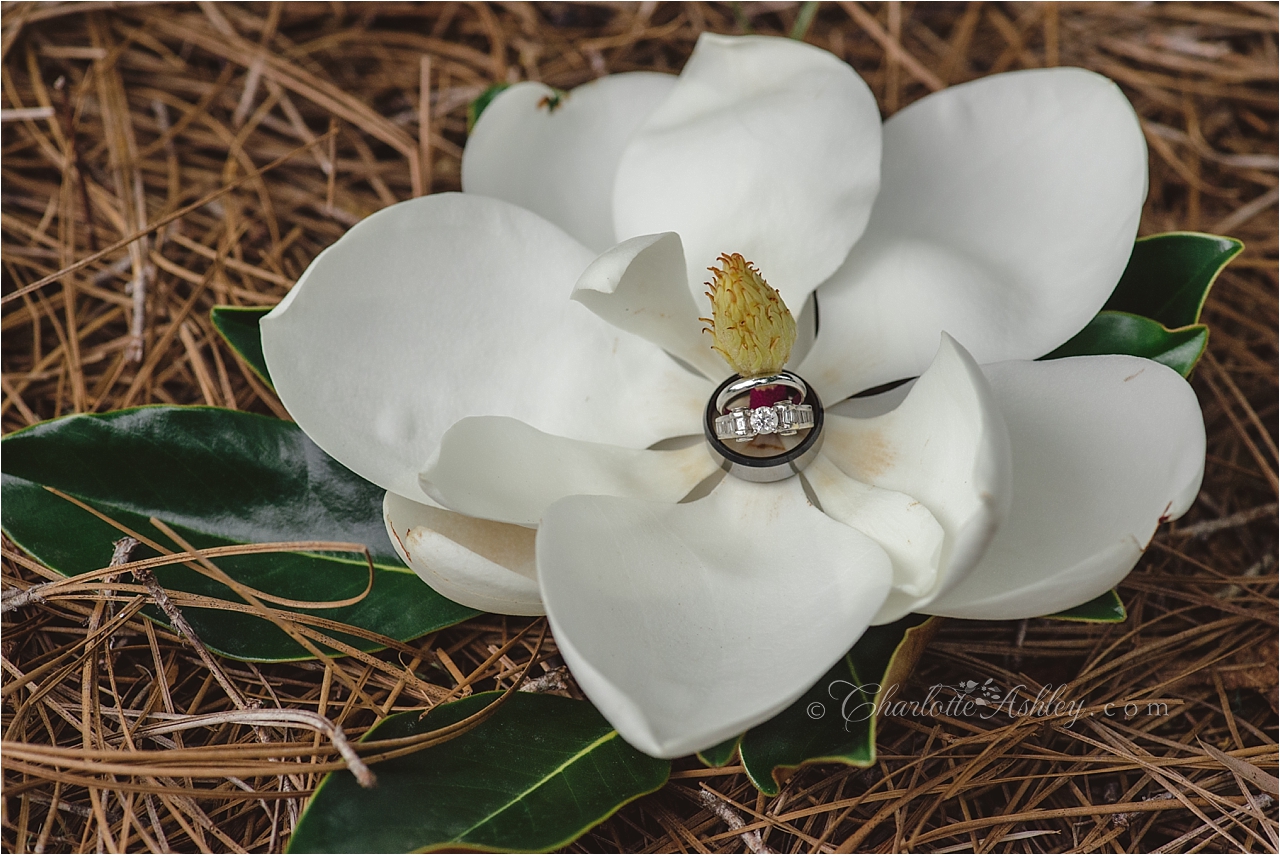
x=752, y=327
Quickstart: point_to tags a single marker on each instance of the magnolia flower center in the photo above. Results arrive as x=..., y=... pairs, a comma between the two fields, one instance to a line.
x=763, y=423
x=752, y=328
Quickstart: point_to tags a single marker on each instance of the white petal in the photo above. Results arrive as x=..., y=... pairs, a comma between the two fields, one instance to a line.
x=1007, y=212
x=561, y=162
x=640, y=286
x=687, y=624
x=502, y=469
x=946, y=446
x=768, y=147
x=1105, y=448
x=485, y=565
x=450, y=306
x=903, y=527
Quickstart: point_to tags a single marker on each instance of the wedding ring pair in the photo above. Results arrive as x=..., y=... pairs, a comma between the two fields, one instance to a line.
x=724, y=423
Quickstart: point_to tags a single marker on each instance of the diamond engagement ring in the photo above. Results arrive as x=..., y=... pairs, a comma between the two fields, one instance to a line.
x=742, y=424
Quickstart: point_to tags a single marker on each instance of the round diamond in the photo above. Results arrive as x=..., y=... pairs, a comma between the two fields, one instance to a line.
x=764, y=420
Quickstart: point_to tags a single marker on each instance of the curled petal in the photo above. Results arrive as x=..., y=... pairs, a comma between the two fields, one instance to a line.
x=502, y=469
x=1105, y=448
x=903, y=527
x=557, y=155
x=687, y=624
x=450, y=306
x=767, y=147
x=946, y=446
x=640, y=286
x=1007, y=212
x=485, y=565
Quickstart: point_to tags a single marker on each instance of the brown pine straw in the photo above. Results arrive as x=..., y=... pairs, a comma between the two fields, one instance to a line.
x=160, y=159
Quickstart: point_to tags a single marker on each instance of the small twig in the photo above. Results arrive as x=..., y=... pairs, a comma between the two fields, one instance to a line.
x=331, y=182
x=73, y=150
x=1246, y=212
x=161, y=111
x=24, y=114
x=1019, y=639
x=271, y=718
x=16, y=598
x=1239, y=518
x=148, y=579
x=1265, y=564
x=717, y=805
x=121, y=553
x=1123, y=819
x=105, y=275
x=1008, y=838
x=137, y=290
x=552, y=681
x=114, y=814
x=156, y=825
x=424, y=123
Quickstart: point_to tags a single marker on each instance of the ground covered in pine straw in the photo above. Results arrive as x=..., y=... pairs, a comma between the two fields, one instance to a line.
x=232, y=143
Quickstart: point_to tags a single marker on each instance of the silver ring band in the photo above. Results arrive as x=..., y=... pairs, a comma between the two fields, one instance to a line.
x=743, y=385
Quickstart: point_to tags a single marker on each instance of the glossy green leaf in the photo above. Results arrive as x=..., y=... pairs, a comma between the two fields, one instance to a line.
x=720, y=755
x=217, y=477
x=238, y=325
x=1107, y=608
x=1169, y=276
x=476, y=107
x=835, y=721
x=1120, y=332
x=812, y=730
x=533, y=777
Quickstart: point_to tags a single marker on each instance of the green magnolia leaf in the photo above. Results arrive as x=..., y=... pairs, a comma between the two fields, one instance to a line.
x=1120, y=332
x=1169, y=276
x=835, y=722
x=533, y=777
x=238, y=325
x=218, y=478
x=476, y=107
x=1104, y=609
x=720, y=755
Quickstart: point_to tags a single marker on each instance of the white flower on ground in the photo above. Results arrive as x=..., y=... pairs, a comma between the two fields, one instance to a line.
x=536, y=441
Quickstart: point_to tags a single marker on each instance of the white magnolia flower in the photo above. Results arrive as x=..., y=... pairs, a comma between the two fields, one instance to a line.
x=523, y=425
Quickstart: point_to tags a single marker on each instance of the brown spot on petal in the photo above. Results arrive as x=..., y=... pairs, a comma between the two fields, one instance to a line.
x=863, y=454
